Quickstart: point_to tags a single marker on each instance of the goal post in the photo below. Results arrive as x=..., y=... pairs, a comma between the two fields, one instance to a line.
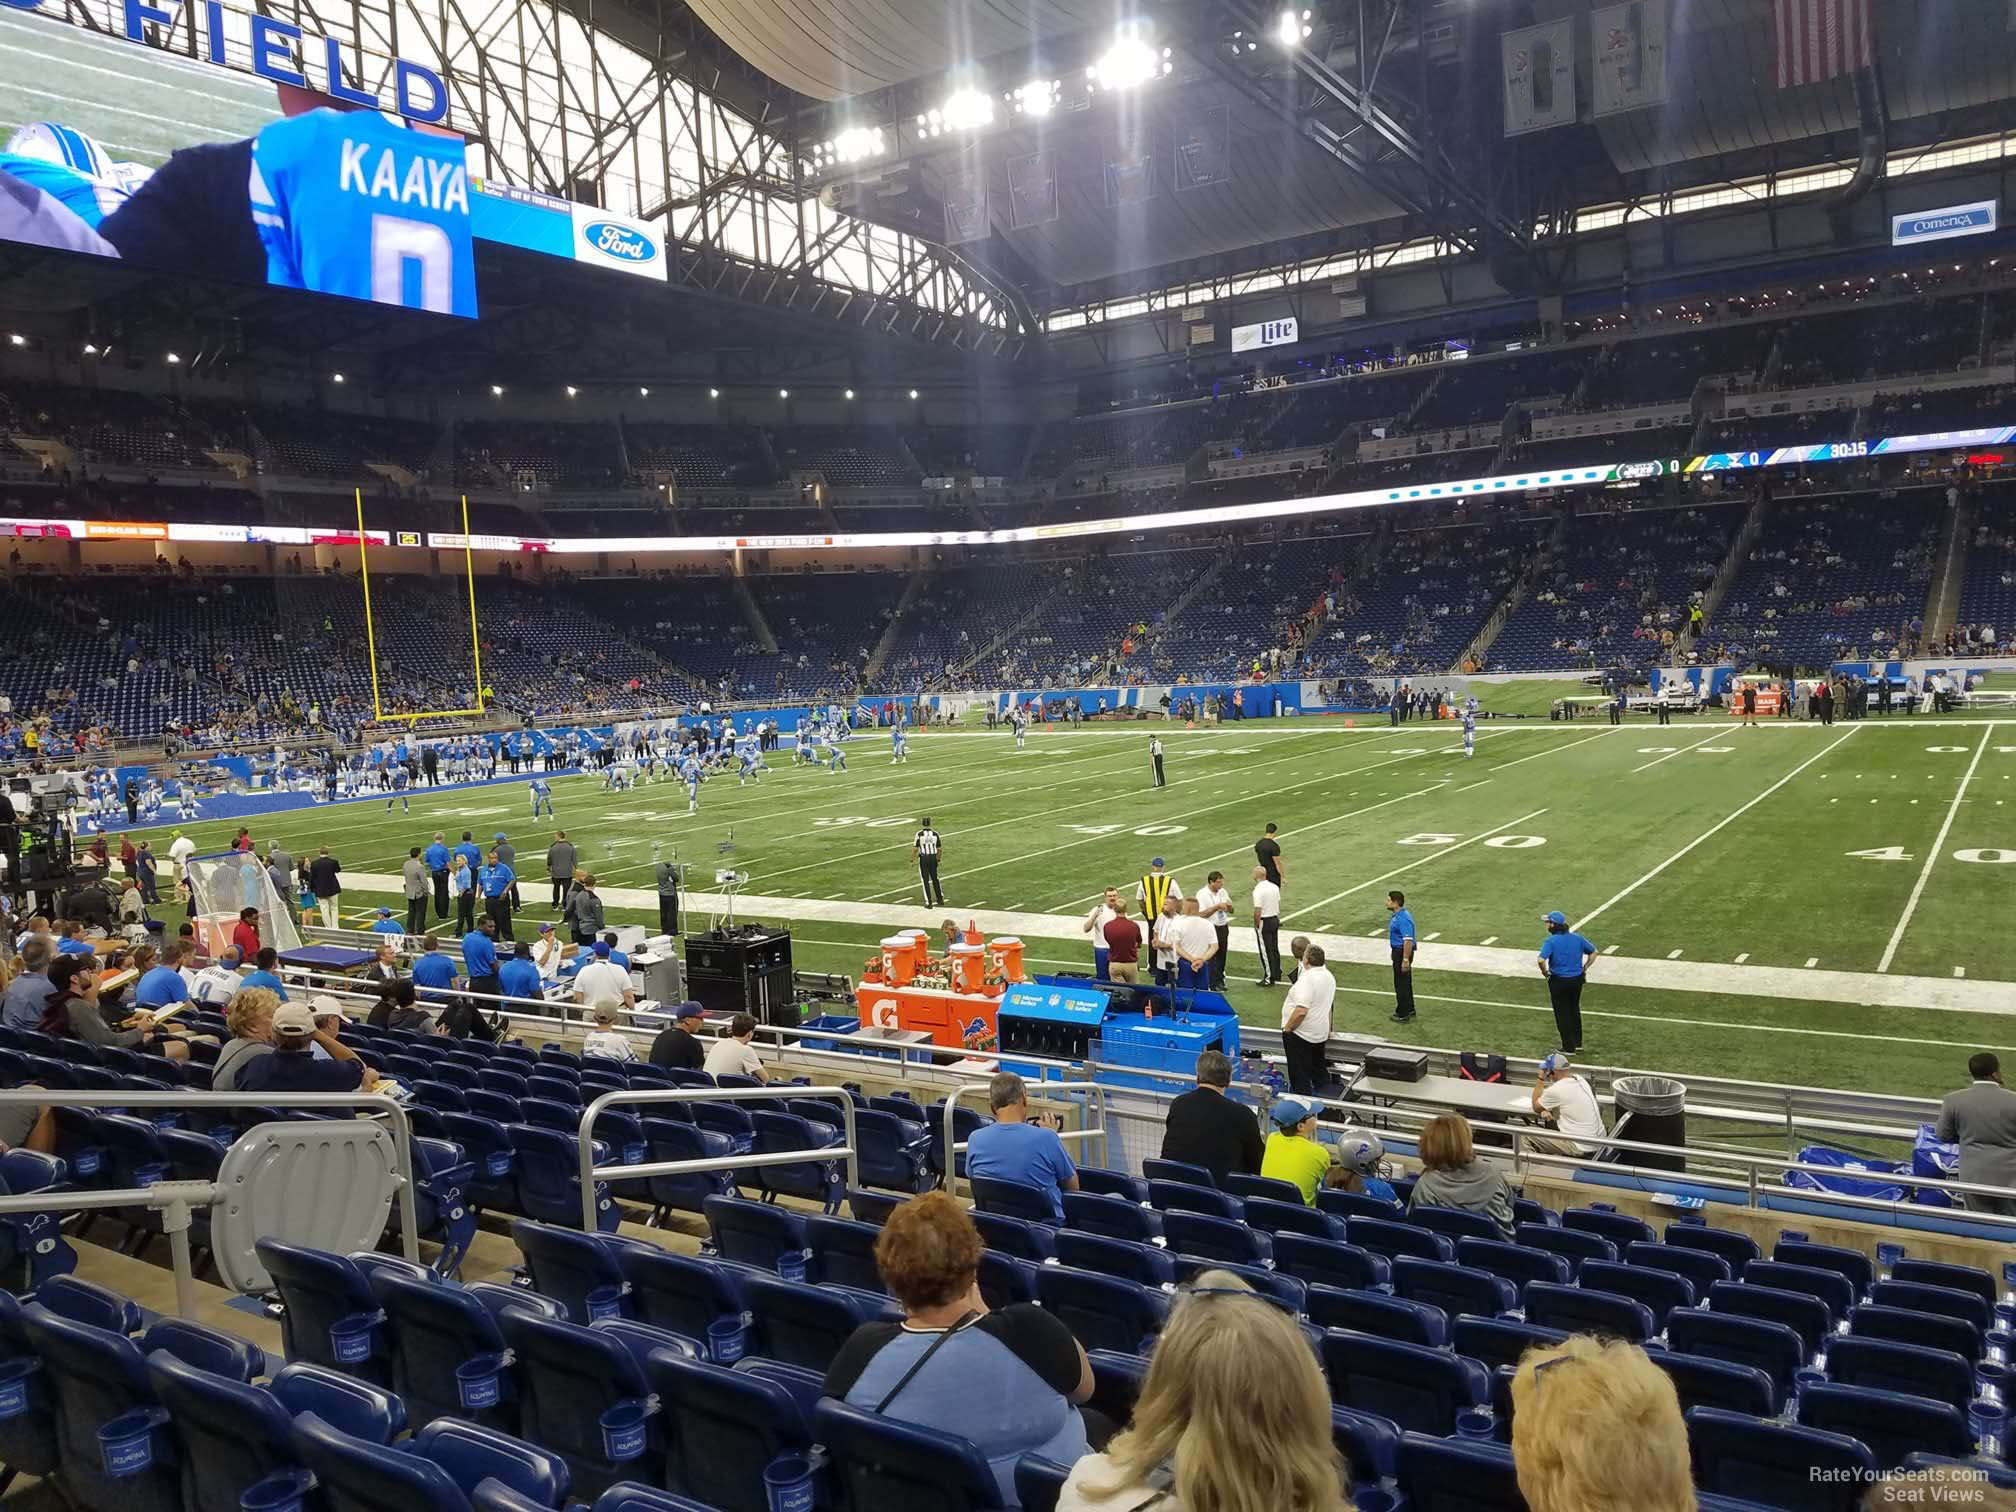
x=378, y=712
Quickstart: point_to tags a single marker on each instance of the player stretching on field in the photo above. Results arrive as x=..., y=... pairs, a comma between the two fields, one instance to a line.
x=689, y=772
x=542, y=796
x=1470, y=729
x=897, y=742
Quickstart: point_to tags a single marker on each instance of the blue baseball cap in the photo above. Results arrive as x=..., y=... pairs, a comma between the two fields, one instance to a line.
x=1156, y=862
x=602, y=949
x=1556, y=917
x=500, y=834
x=1558, y=1061
x=384, y=913
x=1290, y=1111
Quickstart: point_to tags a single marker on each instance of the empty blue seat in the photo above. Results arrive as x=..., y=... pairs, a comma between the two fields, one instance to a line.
x=439, y=1468
x=1021, y=1237
x=1356, y=1205
x=1946, y=1301
x=894, y=1153
x=1701, y=1381
x=803, y=1324
x=1526, y=1210
x=1241, y=1185
x=576, y=1270
x=549, y=1113
x=1384, y=1236
x=1292, y=1292
x=1211, y=1238
x=1271, y=1217
x=1013, y=1199
x=1702, y=1267
x=330, y=1314
x=1454, y=1288
x=1104, y=1183
x=1516, y=1263
x=1660, y=1290
x=582, y=1395
x=843, y=1251
x=1419, y=1388
x=1005, y=1279
x=1369, y=1443
x=1891, y=1423
x=1932, y=1330
x=1457, y=1475
x=1571, y=1244
x=1493, y=1342
x=447, y=1351
x=2002, y=1477
x=1619, y=1228
x=755, y=1233
x=1830, y=1287
x=965, y=1122
x=733, y=1123
x=723, y=1428
x=441, y=1202
x=1885, y=1365
x=1102, y=1311
x=549, y=1178
x=1320, y=1261
x=1967, y=1278
x=1784, y=1465
x=871, y=1207
x=1189, y=1197
x=1774, y=1348
x=813, y=1180
x=1114, y=1217
x=1177, y=1170
x=1852, y=1265
x=684, y=1294
x=1039, y=1482
x=487, y=1144
x=1580, y=1310
x=1453, y=1223
x=1807, y=1316
x=880, y=1463
x=685, y=1192
x=1146, y=1264
x=1371, y=1312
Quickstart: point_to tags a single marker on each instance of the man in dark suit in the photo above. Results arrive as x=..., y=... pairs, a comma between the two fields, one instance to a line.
x=1981, y=1119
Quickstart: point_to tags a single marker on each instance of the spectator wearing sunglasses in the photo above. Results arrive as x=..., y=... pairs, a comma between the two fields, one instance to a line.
x=1596, y=1425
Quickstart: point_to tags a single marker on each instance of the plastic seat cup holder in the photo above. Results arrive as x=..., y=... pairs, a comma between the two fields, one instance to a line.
x=126, y=1443
x=1990, y=1422
x=282, y=1491
x=2001, y=1344
x=1804, y=1379
x=352, y=1340
x=791, y=1265
x=224, y=1135
x=497, y=1163
x=147, y=1175
x=18, y=1380
x=727, y=1340
x=1992, y=1379
x=1375, y=1499
x=1476, y=1423
x=1887, y=1256
x=167, y=1120
x=633, y=1154
x=87, y=1161
x=479, y=1382
x=790, y=1483
x=607, y=1301
x=625, y=1430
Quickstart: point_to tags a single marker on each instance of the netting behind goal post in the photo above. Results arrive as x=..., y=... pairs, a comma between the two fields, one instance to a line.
x=224, y=882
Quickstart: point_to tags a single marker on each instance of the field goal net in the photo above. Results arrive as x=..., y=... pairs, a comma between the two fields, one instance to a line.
x=224, y=882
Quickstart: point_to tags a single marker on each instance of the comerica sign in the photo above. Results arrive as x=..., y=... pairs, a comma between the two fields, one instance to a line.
x=1977, y=219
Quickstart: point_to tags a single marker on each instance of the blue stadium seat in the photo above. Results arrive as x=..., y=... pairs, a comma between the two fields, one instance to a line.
x=437, y=1470
x=684, y=1294
x=441, y=1201
x=1369, y=1443
x=894, y=1153
x=1396, y=1240
x=1177, y=1170
x=734, y=1123
x=1114, y=1217
x=1021, y=1237
x=1852, y=1265
x=1457, y=1475
x=487, y=1143
x=498, y=1079
x=447, y=1351
x=1830, y=1287
x=550, y=1113
x=1145, y=1264
x=574, y=1269
x=1571, y=1244
x=965, y=1122
x=666, y=1139
x=1798, y=1468
x=1454, y=1288
x=1104, y=1183
x=1420, y=1389
x=1701, y=1267
x=1211, y=1238
x=880, y=1464
x=330, y=1314
x=1517, y=1263
x=1579, y=1310
x=1189, y=1197
x=1701, y=1381
x=2002, y=1477
x=1356, y=1205
x=1371, y=1312
x=1526, y=1210
x=1493, y=1342
x=803, y=1324
x=754, y=1233
x=1241, y=1185
x=1774, y=1348
x=1292, y=1292
x=582, y=1395
x=1933, y=1331
x=1807, y=1316
x=1272, y=1217
x=549, y=1178
x=1319, y=1261
x=1116, y=1382
x=1619, y=1228
x=82, y=1302
x=1887, y=1366
x=1891, y=1423
x=872, y=1207
x=1967, y=1278
x=28, y=1438
x=1660, y=1290
x=1946, y=1301
x=1039, y=1482
x=1102, y=1312
x=1453, y=1223
x=1013, y=1199
x=820, y=1181
x=843, y=1251
x=1005, y=1279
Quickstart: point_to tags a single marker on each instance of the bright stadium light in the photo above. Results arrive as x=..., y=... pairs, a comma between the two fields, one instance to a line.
x=335, y=377
x=643, y=392
x=1037, y=98
x=174, y=358
x=913, y=393
x=783, y=393
x=1132, y=60
x=90, y=349
x=496, y=391
x=855, y=144
x=572, y=391
x=1292, y=27
x=964, y=110
x=713, y=393
x=850, y=393
x=17, y=339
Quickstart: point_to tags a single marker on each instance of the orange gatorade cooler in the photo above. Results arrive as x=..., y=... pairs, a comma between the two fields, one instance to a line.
x=969, y=967
x=1006, y=953
x=920, y=945
x=899, y=960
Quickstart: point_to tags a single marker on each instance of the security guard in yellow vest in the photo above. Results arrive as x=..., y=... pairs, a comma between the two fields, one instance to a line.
x=1156, y=885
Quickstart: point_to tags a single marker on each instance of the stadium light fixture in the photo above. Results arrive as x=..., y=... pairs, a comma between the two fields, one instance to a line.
x=854, y=145
x=17, y=339
x=90, y=349
x=335, y=377
x=1035, y=99
x=1291, y=27
x=783, y=393
x=850, y=393
x=713, y=393
x=913, y=393
x=1132, y=60
x=174, y=358
x=643, y=392
x=496, y=391
x=572, y=391
x=965, y=109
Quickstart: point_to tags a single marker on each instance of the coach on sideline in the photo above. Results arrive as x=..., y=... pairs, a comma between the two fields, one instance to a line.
x=1400, y=937
x=1564, y=961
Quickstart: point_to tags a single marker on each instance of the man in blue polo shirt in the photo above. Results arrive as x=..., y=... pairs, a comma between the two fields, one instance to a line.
x=266, y=975
x=479, y=952
x=1564, y=961
x=495, y=881
x=621, y=958
x=433, y=971
x=471, y=852
x=1400, y=938
x=386, y=924
x=162, y=984
x=519, y=975
x=436, y=857
x=1013, y=1149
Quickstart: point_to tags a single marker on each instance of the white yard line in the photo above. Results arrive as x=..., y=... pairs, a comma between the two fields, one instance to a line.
x=1671, y=754
x=1722, y=824
x=1568, y=747
x=1432, y=856
x=1932, y=855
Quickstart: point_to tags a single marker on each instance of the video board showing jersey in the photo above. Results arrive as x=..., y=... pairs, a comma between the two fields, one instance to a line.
x=112, y=147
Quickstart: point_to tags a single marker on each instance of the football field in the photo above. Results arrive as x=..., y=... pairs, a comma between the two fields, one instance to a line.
x=1790, y=903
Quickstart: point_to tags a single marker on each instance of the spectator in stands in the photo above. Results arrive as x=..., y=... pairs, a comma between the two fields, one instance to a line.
x=323, y=883
x=249, y=1017
x=396, y=1009
x=245, y=933
x=73, y=1013
x=1565, y=1102
x=678, y=1047
x=1233, y=1417
x=605, y=1039
x=733, y=1055
x=293, y=1068
x=1452, y=1176
x=1597, y=1426
x=266, y=973
x=1016, y=1147
x=164, y=983
x=1293, y=1154
x=1205, y=1127
x=951, y=1352
x=29, y=993
x=433, y=969
x=385, y=965
x=1356, y=1168
x=1981, y=1119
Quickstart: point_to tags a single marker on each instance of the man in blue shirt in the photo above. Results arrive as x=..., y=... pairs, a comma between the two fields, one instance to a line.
x=479, y=950
x=619, y=957
x=519, y=976
x=29, y=993
x=73, y=941
x=265, y=976
x=471, y=852
x=1564, y=961
x=436, y=857
x=433, y=971
x=495, y=881
x=385, y=924
x=1014, y=1149
x=1400, y=938
x=162, y=984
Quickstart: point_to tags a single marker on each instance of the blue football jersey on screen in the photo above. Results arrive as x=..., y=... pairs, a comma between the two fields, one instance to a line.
x=350, y=203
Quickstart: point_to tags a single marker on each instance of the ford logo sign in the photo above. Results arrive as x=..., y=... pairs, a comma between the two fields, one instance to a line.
x=612, y=239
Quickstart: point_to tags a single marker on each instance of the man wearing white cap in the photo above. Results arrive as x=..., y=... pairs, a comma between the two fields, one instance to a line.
x=1564, y=961
x=292, y=1067
x=1565, y=1102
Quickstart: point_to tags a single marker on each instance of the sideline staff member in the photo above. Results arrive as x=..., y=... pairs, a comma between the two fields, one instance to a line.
x=1267, y=926
x=1155, y=759
x=1400, y=938
x=1564, y=961
x=926, y=848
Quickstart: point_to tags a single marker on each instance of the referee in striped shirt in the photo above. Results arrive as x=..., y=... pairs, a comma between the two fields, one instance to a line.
x=926, y=848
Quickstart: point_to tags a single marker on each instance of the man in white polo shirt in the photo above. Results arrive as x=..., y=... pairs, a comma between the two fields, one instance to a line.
x=1564, y=1100
x=1215, y=904
x=1267, y=926
x=1305, y=1025
x=601, y=983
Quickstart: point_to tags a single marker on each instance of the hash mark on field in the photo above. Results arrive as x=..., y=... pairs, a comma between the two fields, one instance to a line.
x=1609, y=950
x=1435, y=936
x=1812, y=961
x=1742, y=958
x=1492, y=940
x=1672, y=955
x=1472, y=785
x=1959, y=971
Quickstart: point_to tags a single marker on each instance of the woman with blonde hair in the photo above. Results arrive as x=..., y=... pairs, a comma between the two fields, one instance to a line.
x=1596, y=1426
x=1234, y=1417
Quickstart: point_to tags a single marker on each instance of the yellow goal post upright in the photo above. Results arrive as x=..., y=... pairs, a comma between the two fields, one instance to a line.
x=371, y=629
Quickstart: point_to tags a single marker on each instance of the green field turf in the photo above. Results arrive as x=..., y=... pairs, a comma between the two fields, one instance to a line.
x=1789, y=903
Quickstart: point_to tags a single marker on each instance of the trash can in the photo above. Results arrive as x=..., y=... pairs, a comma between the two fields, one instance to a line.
x=1654, y=1111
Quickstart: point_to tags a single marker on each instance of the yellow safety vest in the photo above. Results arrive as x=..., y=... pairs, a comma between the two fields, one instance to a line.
x=1154, y=889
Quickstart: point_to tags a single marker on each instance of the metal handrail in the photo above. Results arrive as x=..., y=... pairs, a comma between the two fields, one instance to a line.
x=1096, y=1130
x=848, y=1148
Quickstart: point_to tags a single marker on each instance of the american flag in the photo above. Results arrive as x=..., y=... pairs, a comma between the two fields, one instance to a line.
x=1818, y=39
